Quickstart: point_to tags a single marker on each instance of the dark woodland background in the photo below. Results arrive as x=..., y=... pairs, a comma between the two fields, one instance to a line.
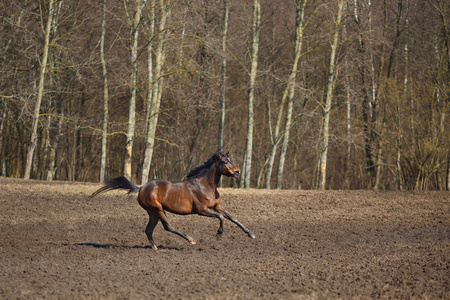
x=389, y=111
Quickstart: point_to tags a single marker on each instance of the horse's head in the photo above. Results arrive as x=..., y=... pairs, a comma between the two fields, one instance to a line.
x=226, y=166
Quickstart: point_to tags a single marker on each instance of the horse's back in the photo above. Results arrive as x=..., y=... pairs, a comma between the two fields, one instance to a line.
x=173, y=196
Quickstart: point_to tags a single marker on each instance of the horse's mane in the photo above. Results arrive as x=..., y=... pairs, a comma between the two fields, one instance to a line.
x=206, y=165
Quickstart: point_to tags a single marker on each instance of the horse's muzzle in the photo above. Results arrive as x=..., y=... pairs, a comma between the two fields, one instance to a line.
x=237, y=173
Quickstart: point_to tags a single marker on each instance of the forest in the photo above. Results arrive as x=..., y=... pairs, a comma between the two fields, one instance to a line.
x=304, y=94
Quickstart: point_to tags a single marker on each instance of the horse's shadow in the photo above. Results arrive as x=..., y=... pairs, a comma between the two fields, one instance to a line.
x=102, y=245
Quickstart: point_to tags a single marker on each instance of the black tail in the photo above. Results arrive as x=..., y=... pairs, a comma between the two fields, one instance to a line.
x=118, y=183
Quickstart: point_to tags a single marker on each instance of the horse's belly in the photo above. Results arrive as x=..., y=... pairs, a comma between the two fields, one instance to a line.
x=178, y=201
x=179, y=207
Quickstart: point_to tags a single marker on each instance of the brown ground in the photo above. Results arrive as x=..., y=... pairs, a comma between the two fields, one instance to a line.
x=309, y=245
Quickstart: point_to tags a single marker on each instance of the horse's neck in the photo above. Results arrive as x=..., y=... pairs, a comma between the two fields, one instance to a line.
x=213, y=175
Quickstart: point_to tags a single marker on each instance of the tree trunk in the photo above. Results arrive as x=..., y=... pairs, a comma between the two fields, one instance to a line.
x=276, y=139
x=398, y=162
x=349, y=126
x=37, y=107
x=45, y=145
x=2, y=150
x=285, y=144
x=145, y=161
x=299, y=28
x=156, y=92
x=378, y=163
x=73, y=156
x=226, y=10
x=52, y=157
x=132, y=106
x=448, y=171
x=329, y=97
x=367, y=104
x=247, y=165
x=377, y=118
x=105, y=97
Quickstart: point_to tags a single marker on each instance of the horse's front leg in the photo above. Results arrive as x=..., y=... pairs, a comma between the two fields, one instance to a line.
x=213, y=214
x=235, y=221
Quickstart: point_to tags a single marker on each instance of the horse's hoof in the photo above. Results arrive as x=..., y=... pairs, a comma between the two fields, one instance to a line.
x=191, y=241
x=251, y=235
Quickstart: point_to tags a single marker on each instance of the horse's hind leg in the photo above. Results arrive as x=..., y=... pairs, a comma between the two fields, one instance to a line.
x=235, y=221
x=169, y=228
x=153, y=220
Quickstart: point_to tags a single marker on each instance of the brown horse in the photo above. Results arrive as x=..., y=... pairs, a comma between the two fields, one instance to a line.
x=197, y=194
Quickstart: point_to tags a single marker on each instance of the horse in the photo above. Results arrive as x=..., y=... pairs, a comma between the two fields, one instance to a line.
x=197, y=194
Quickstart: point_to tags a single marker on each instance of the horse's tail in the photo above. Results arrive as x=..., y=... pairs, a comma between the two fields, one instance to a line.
x=118, y=183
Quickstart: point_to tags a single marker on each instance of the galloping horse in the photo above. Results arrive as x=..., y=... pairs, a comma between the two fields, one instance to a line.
x=197, y=194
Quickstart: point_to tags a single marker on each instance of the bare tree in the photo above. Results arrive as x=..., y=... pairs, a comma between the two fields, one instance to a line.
x=288, y=93
x=156, y=91
x=132, y=106
x=442, y=89
x=405, y=121
x=299, y=29
x=147, y=150
x=329, y=97
x=377, y=117
x=105, y=97
x=2, y=151
x=365, y=68
x=37, y=107
x=226, y=10
x=247, y=164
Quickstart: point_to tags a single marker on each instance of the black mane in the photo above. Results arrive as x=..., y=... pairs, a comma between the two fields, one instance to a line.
x=206, y=165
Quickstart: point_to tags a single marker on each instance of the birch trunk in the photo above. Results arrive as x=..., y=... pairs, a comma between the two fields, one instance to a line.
x=376, y=106
x=220, y=138
x=276, y=139
x=132, y=106
x=46, y=132
x=348, y=134
x=247, y=165
x=105, y=97
x=400, y=137
x=285, y=144
x=2, y=150
x=145, y=162
x=442, y=93
x=156, y=92
x=398, y=162
x=37, y=107
x=226, y=10
x=329, y=97
x=300, y=9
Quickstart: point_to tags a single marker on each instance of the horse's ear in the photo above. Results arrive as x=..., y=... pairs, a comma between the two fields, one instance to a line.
x=228, y=153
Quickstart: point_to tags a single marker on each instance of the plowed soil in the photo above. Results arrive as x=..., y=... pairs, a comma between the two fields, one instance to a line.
x=55, y=242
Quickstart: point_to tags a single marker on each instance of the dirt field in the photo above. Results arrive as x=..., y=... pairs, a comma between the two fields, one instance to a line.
x=309, y=245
